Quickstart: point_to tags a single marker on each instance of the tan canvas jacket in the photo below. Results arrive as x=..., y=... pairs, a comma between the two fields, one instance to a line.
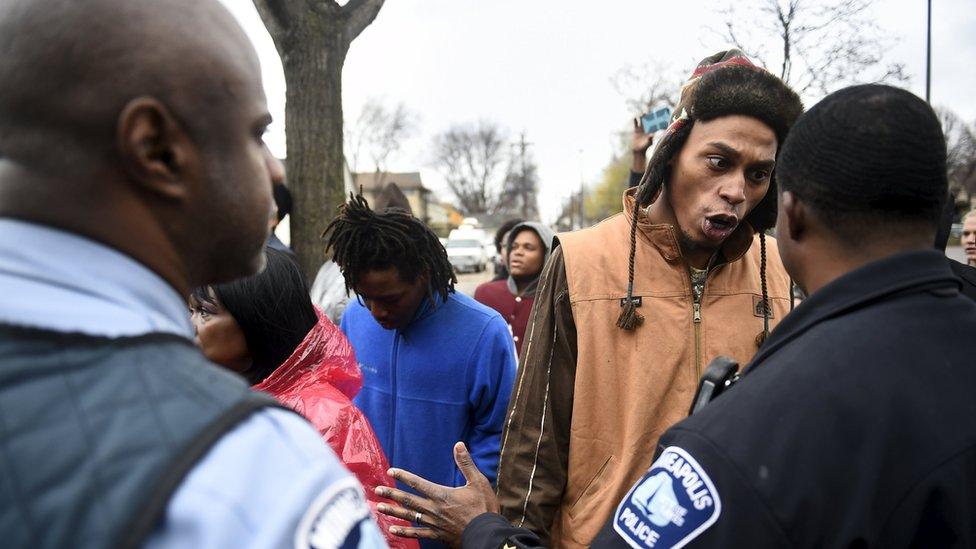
x=591, y=399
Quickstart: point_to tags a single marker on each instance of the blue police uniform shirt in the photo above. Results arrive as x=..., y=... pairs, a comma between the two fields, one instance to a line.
x=269, y=482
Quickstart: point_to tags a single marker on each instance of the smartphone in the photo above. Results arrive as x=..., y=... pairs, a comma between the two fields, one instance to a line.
x=657, y=120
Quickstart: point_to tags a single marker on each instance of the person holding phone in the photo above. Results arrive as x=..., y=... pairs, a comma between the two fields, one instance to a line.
x=640, y=142
x=629, y=312
x=852, y=427
x=645, y=126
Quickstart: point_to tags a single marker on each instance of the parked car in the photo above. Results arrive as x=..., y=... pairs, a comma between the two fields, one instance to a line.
x=466, y=255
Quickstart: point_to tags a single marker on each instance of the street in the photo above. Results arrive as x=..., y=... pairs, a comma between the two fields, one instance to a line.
x=957, y=253
x=468, y=282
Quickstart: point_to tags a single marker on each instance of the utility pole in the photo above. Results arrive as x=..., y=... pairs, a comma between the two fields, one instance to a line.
x=928, y=54
x=525, y=187
x=523, y=179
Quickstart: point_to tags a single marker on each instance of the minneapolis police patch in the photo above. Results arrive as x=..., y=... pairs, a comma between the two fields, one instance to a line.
x=672, y=504
x=338, y=519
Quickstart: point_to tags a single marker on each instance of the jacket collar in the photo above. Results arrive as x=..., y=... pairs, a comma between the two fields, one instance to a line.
x=61, y=281
x=324, y=354
x=663, y=236
x=425, y=309
x=903, y=272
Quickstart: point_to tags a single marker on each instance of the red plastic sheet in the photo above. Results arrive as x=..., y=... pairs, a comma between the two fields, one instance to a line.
x=319, y=380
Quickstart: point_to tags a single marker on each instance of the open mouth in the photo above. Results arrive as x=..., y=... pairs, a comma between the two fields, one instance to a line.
x=719, y=226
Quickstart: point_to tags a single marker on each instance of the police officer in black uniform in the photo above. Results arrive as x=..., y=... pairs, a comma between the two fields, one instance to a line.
x=855, y=424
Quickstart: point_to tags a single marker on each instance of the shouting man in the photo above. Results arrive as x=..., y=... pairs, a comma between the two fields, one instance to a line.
x=630, y=311
x=852, y=426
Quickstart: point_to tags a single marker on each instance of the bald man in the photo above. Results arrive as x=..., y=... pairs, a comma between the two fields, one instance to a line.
x=132, y=169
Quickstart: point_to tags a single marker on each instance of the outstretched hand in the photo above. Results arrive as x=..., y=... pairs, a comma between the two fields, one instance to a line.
x=441, y=513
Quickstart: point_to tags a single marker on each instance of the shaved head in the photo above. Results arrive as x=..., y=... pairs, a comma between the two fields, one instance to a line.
x=69, y=68
x=137, y=123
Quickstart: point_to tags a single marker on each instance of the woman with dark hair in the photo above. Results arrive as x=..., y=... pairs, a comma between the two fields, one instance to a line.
x=265, y=328
x=526, y=248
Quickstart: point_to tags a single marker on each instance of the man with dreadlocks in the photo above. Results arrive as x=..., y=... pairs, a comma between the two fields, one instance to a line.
x=438, y=366
x=853, y=425
x=629, y=312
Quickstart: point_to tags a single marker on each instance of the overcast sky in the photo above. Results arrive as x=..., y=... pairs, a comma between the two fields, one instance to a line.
x=544, y=67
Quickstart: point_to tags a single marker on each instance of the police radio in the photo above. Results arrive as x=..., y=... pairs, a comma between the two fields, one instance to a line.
x=722, y=373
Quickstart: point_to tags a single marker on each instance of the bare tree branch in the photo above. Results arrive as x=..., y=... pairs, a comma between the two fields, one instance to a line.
x=378, y=133
x=470, y=159
x=820, y=44
x=960, y=151
x=275, y=14
x=647, y=86
x=359, y=14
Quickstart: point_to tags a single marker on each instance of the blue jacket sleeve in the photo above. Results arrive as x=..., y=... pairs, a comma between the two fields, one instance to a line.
x=344, y=321
x=491, y=375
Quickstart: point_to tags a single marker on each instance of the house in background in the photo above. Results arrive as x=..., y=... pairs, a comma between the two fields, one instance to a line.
x=409, y=184
x=443, y=218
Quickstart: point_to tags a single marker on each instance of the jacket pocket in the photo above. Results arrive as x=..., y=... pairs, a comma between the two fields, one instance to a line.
x=593, y=486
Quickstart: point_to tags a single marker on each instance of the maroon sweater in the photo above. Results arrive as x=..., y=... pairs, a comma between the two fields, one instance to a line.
x=515, y=310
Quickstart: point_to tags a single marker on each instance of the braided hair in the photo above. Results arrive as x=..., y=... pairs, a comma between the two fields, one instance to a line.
x=658, y=170
x=362, y=240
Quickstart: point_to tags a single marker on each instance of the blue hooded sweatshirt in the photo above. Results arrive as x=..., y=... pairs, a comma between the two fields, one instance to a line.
x=445, y=377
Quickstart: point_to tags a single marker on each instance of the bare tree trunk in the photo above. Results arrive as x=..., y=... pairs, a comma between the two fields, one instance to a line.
x=313, y=119
x=312, y=38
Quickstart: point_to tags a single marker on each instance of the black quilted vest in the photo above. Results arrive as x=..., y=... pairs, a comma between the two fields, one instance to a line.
x=96, y=434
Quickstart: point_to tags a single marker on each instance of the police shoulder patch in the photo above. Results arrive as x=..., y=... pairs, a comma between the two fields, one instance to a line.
x=671, y=505
x=335, y=519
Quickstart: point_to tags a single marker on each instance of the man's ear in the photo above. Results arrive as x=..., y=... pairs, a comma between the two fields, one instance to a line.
x=154, y=148
x=794, y=213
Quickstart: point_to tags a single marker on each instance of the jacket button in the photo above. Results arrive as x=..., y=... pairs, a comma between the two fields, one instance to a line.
x=518, y=299
x=516, y=339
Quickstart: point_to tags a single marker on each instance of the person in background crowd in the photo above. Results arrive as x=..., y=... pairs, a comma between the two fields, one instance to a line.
x=283, y=203
x=629, y=312
x=265, y=328
x=527, y=248
x=968, y=239
x=328, y=292
x=965, y=272
x=438, y=366
x=329, y=288
x=852, y=426
x=640, y=142
x=501, y=237
x=132, y=163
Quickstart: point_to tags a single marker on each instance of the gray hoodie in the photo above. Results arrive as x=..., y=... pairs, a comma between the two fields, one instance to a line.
x=546, y=235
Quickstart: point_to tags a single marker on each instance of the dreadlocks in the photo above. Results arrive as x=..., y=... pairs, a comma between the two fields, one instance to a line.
x=362, y=240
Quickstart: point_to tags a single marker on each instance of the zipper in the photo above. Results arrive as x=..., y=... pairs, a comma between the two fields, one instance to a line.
x=698, y=340
x=697, y=292
x=393, y=393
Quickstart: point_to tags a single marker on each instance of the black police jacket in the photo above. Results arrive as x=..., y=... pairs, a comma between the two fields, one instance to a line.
x=854, y=426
